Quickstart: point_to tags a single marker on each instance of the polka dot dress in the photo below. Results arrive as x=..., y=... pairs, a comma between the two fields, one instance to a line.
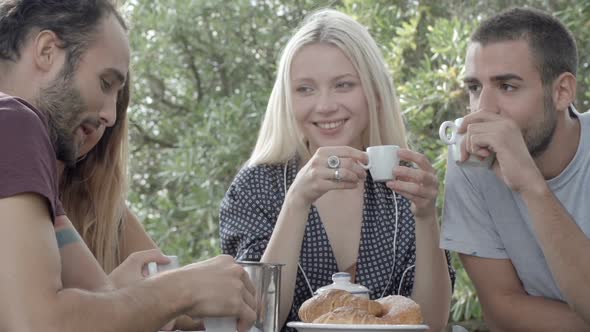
x=251, y=208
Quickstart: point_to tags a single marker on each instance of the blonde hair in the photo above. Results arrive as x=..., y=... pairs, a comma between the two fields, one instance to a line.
x=93, y=191
x=279, y=139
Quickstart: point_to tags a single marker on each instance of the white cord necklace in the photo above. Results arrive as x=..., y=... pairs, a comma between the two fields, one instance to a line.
x=311, y=291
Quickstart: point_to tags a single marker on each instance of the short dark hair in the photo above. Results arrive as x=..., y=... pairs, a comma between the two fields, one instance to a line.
x=74, y=21
x=552, y=45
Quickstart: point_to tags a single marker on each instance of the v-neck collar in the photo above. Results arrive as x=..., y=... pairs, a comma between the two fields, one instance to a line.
x=318, y=219
x=378, y=250
x=378, y=212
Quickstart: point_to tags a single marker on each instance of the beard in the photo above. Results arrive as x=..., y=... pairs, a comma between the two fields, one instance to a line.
x=539, y=136
x=63, y=103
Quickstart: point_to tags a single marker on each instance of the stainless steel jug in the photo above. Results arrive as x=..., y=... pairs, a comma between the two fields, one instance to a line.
x=266, y=278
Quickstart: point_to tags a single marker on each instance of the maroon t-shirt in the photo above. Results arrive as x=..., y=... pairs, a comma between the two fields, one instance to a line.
x=27, y=157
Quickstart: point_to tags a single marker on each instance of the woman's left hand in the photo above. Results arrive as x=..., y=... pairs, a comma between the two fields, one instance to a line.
x=419, y=185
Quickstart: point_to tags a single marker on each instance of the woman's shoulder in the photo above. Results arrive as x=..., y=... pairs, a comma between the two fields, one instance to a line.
x=258, y=185
x=261, y=178
x=258, y=173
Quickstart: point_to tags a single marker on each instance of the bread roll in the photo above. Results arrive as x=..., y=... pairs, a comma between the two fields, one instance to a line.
x=400, y=310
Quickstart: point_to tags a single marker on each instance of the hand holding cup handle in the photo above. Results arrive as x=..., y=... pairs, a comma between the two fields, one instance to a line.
x=382, y=160
x=442, y=131
x=367, y=166
x=455, y=142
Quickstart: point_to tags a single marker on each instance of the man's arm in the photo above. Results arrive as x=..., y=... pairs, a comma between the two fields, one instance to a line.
x=506, y=305
x=564, y=245
x=33, y=295
x=79, y=269
x=134, y=239
x=35, y=299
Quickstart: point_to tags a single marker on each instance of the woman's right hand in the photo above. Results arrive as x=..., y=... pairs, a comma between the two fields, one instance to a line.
x=316, y=178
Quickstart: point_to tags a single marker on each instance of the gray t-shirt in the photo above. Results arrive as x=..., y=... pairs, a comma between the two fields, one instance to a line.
x=483, y=217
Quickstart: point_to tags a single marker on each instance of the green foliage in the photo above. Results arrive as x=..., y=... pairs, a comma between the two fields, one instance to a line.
x=465, y=305
x=203, y=70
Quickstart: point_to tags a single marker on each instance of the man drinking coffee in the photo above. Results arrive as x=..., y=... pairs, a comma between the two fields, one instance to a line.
x=522, y=228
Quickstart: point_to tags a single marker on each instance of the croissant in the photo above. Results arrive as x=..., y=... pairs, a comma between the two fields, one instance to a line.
x=336, y=298
x=348, y=315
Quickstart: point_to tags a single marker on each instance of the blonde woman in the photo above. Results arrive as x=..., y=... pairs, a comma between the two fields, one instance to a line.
x=304, y=201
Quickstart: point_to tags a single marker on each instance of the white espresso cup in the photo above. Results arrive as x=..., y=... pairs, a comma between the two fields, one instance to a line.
x=220, y=324
x=454, y=143
x=382, y=160
x=154, y=268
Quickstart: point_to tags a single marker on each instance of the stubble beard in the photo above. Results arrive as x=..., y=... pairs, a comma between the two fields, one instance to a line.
x=539, y=137
x=63, y=105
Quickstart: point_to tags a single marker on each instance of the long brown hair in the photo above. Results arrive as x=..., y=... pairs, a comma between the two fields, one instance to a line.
x=93, y=191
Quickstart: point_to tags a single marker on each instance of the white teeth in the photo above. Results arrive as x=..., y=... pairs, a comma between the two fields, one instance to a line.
x=329, y=125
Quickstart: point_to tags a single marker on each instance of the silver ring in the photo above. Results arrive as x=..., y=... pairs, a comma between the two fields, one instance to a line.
x=333, y=162
x=337, y=175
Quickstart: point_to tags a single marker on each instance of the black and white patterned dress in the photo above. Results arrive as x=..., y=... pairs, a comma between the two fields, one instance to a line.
x=251, y=208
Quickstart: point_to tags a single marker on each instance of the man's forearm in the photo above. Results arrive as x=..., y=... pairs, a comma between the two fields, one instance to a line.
x=138, y=308
x=79, y=269
x=522, y=312
x=565, y=247
x=432, y=283
x=42, y=292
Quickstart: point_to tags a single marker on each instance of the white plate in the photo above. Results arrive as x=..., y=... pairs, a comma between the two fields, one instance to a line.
x=310, y=327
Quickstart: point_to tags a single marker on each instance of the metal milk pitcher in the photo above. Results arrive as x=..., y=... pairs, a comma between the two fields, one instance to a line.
x=266, y=277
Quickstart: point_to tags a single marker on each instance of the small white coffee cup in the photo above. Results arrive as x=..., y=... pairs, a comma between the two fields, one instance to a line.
x=382, y=160
x=154, y=268
x=220, y=324
x=454, y=143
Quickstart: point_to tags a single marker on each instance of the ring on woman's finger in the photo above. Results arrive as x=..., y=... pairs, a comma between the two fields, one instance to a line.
x=333, y=162
x=337, y=175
